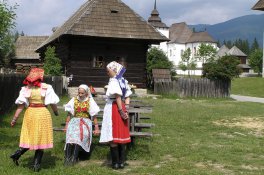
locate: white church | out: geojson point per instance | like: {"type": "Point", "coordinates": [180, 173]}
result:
{"type": "Point", "coordinates": [181, 38]}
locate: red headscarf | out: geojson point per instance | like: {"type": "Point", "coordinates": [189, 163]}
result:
{"type": "Point", "coordinates": [35, 77]}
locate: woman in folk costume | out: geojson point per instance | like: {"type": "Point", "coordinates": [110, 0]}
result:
{"type": "Point", "coordinates": [83, 109]}
{"type": "Point", "coordinates": [36, 133]}
{"type": "Point", "coordinates": [115, 125]}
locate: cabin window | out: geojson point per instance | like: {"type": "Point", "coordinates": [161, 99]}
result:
{"type": "Point", "coordinates": [170, 52]}
{"type": "Point", "coordinates": [99, 62]}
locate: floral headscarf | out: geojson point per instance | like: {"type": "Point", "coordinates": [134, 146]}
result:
{"type": "Point", "coordinates": [35, 77]}
{"type": "Point", "coordinates": [119, 70]}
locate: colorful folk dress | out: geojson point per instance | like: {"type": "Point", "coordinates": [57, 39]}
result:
{"type": "Point", "coordinates": [114, 128]}
{"type": "Point", "coordinates": [36, 132]}
{"type": "Point", "coordinates": [79, 129]}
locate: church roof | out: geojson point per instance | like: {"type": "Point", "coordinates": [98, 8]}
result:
{"type": "Point", "coordinates": [236, 52]}
{"type": "Point", "coordinates": [109, 19]}
{"type": "Point", "coordinates": [259, 5]}
{"type": "Point", "coordinates": [181, 33]}
{"type": "Point", "coordinates": [201, 37]}
{"type": "Point", "coordinates": [25, 46]}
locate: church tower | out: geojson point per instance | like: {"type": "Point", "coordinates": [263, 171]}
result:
{"type": "Point", "coordinates": [155, 20]}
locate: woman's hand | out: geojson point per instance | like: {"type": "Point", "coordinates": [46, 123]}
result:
{"type": "Point", "coordinates": [13, 122]}
{"type": "Point", "coordinates": [123, 114]}
{"type": "Point", "coordinates": [96, 130]}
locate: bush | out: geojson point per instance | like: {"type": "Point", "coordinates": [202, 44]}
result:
{"type": "Point", "coordinates": [157, 59]}
{"type": "Point", "coordinates": [224, 68]}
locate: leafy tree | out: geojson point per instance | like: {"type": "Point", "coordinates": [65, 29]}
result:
{"type": "Point", "coordinates": [52, 64]}
{"type": "Point", "coordinates": [7, 17]}
{"type": "Point", "coordinates": [256, 60]}
{"type": "Point", "coordinates": [224, 68]}
{"type": "Point", "coordinates": [206, 52]}
{"type": "Point", "coordinates": [187, 62]}
{"type": "Point", "coordinates": [157, 59]}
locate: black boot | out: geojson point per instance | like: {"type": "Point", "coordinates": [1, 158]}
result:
{"type": "Point", "coordinates": [75, 154]}
{"type": "Point", "coordinates": [37, 160]}
{"type": "Point", "coordinates": [122, 155]}
{"type": "Point", "coordinates": [115, 157]}
{"type": "Point", "coordinates": [68, 154]}
{"type": "Point", "coordinates": [18, 154]}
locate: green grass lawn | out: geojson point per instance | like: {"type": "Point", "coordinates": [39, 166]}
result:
{"type": "Point", "coordinates": [191, 136]}
{"type": "Point", "coordinates": [253, 86]}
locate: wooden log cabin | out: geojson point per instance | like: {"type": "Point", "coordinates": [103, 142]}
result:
{"type": "Point", "coordinates": [99, 32]}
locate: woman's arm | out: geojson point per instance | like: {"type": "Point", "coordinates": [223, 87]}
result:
{"type": "Point", "coordinates": [96, 127]}
{"type": "Point", "coordinates": [67, 121]}
{"type": "Point", "coordinates": [119, 106]}
{"type": "Point", "coordinates": [20, 108]}
{"type": "Point", "coordinates": [54, 109]}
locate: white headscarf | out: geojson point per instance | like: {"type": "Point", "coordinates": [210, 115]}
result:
{"type": "Point", "coordinates": [86, 88]}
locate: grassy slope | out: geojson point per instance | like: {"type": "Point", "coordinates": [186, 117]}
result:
{"type": "Point", "coordinates": [248, 86]}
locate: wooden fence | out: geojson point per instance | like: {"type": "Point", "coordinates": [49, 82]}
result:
{"type": "Point", "coordinates": [10, 85]}
{"type": "Point", "coordinates": [187, 87]}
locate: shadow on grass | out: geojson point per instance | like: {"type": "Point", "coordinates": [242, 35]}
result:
{"type": "Point", "coordinates": [49, 161]}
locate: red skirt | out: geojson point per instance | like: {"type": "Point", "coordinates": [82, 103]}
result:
{"type": "Point", "coordinates": [120, 127]}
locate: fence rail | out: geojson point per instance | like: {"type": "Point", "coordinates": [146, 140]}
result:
{"type": "Point", "coordinates": [10, 85]}
{"type": "Point", "coordinates": [187, 87]}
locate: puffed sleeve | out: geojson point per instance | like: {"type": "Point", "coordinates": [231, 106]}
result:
{"type": "Point", "coordinates": [21, 98]}
{"type": "Point", "coordinates": [51, 97]}
{"type": "Point", "coordinates": [94, 108]}
{"type": "Point", "coordinates": [113, 88]}
{"type": "Point", "coordinates": [69, 107]}
{"type": "Point", "coordinates": [128, 92]}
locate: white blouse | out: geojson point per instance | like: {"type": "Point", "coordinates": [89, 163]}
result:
{"type": "Point", "coordinates": [50, 96]}
{"type": "Point", "coordinates": [93, 109]}
{"type": "Point", "coordinates": [114, 88]}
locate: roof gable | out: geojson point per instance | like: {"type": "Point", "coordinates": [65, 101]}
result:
{"type": "Point", "coordinates": [259, 5]}
{"type": "Point", "coordinates": [236, 52]}
{"type": "Point", "coordinates": [107, 18]}
{"type": "Point", "coordinates": [222, 51]}
{"type": "Point", "coordinates": [25, 46]}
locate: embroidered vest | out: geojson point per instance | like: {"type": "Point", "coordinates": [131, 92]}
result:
{"type": "Point", "coordinates": [81, 108]}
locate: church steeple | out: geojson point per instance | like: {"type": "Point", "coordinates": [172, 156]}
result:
{"type": "Point", "coordinates": [154, 19]}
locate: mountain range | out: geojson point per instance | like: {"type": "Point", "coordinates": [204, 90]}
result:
{"type": "Point", "coordinates": [246, 27]}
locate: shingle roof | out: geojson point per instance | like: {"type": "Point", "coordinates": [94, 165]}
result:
{"type": "Point", "coordinates": [25, 46]}
{"type": "Point", "coordinates": [201, 37]}
{"type": "Point", "coordinates": [181, 33]}
{"type": "Point", "coordinates": [236, 52]}
{"type": "Point", "coordinates": [259, 5]}
{"type": "Point", "coordinates": [222, 51]}
{"type": "Point", "coordinates": [107, 18]}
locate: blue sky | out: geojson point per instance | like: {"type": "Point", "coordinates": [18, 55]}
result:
{"type": "Point", "coordinates": [37, 17]}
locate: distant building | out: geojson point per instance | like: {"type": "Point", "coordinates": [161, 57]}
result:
{"type": "Point", "coordinates": [234, 51]}
{"type": "Point", "coordinates": [25, 55]}
{"type": "Point", "coordinates": [181, 38]}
